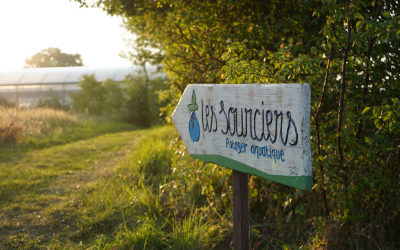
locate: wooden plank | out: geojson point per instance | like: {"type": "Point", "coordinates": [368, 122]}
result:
{"type": "Point", "coordinates": [259, 129]}
{"type": "Point", "coordinates": [241, 226]}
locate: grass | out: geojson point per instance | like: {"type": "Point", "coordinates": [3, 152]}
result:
{"type": "Point", "coordinates": [78, 182]}
{"type": "Point", "coordinates": [87, 183]}
{"type": "Point", "coordinates": [92, 184]}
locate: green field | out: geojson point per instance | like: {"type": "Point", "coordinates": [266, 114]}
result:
{"type": "Point", "coordinates": [104, 185]}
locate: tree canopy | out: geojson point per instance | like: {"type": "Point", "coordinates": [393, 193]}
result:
{"type": "Point", "coordinates": [349, 53]}
{"type": "Point", "coordinates": [53, 57]}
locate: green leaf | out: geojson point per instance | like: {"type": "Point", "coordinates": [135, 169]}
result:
{"type": "Point", "coordinates": [386, 14]}
{"type": "Point", "coordinates": [398, 112]}
{"type": "Point", "coordinates": [298, 193]}
{"type": "Point", "coordinates": [254, 232]}
{"type": "Point", "coordinates": [358, 24]}
{"type": "Point", "coordinates": [359, 16]}
{"type": "Point", "coordinates": [391, 126]}
{"type": "Point", "coordinates": [386, 118]}
{"type": "Point", "coordinates": [253, 193]}
{"type": "Point", "coordinates": [300, 209]}
{"type": "Point", "coordinates": [377, 123]}
{"type": "Point", "coordinates": [314, 50]}
{"type": "Point", "coordinates": [366, 109]}
{"type": "Point", "coordinates": [289, 217]}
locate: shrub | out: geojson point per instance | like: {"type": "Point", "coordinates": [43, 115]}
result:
{"type": "Point", "coordinates": [137, 102]}
{"type": "Point", "coordinates": [134, 100]}
{"type": "Point", "coordinates": [114, 103]}
{"type": "Point", "coordinates": [91, 97]}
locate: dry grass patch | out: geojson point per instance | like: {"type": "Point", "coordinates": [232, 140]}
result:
{"type": "Point", "coordinates": [37, 121]}
{"type": "Point", "coordinates": [9, 132]}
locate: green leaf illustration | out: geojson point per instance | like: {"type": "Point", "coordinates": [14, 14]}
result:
{"type": "Point", "coordinates": [193, 107]}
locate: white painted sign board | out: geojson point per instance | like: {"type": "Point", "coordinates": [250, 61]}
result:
{"type": "Point", "coordinates": [259, 129]}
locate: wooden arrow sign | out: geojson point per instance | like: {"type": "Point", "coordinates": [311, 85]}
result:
{"type": "Point", "coordinates": [259, 129]}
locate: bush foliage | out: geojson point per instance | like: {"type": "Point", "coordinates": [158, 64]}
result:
{"type": "Point", "coordinates": [134, 100]}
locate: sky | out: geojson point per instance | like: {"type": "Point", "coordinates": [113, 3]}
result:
{"type": "Point", "coordinates": [29, 26]}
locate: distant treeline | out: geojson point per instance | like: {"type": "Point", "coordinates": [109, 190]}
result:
{"type": "Point", "coordinates": [134, 100]}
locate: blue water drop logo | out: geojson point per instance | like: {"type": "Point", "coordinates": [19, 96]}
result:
{"type": "Point", "coordinates": [194, 126]}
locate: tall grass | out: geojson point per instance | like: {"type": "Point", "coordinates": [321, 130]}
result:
{"type": "Point", "coordinates": [38, 121]}
{"type": "Point", "coordinates": [192, 232]}
{"type": "Point", "coordinates": [46, 127]}
{"type": "Point", "coordinates": [168, 208]}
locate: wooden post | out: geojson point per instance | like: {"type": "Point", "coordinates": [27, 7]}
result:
{"type": "Point", "coordinates": [241, 229]}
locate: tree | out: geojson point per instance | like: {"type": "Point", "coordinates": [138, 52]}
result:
{"type": "Point", "coordinates": [53, 57]}
{"type": "Point", "coordinates": [91, 97]}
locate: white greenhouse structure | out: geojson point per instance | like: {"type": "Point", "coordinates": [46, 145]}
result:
{"type": "Point", "coordinates": [28, 86]}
